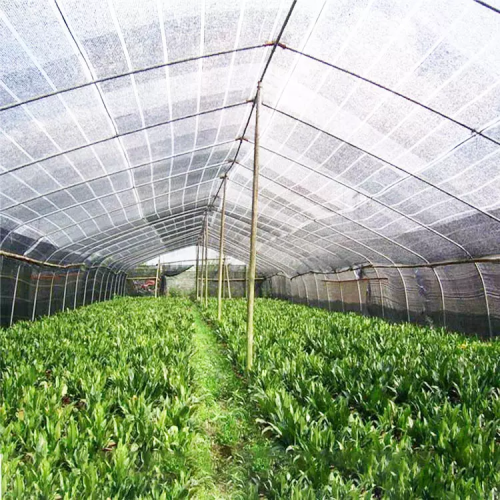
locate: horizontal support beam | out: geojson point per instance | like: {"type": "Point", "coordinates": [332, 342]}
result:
{"type": "Point", "coordinates": [333, 282]}
{"type": "Point", "coordinates": [36, 262]}
{"type": "Point", "coordinates": [29, 260]}
{"type": "Point", "coordinates": [236, 279]}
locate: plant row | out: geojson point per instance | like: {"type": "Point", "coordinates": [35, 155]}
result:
{"type": "Point", "coordinates": [369, 409]}
{"type": "Point", "coordinates": [96, 403]}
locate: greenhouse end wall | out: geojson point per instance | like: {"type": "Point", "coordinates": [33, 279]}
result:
{"type": "Point", "coordinates": [462, 297]}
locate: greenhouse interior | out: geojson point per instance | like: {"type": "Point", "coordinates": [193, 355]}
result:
{"type": "Point", "coordinates": [250, 249]}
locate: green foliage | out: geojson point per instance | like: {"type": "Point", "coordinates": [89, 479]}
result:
{"type": "Point", "coordinates": [370, 409]}
{"type": "Point", "coordinates": [97, 402]}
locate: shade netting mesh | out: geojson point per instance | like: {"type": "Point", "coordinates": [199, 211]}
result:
{"type": "Point", "coordinates": [379, 148]}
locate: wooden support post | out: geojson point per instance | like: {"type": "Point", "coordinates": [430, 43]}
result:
{"type": "Point", "coordinates": [157, 278]}
{"type": "Point", "coordinates": [196, 282]}
{"type": "Point", "coordinates": [64, 293]}
{"type": "Point", "coordinates": [228, 281]}
{"type": "Point", "coordinates": [113, 277]}
{"type": "Point", "coordinates": [93, 288]}
{"type": "Point", "coordinates": [221, 249]}
{"type": "Point", "coordinates": [106, 285]}
{"type": "Point", "coordinates": [100, 288]}
{"type": "Point", "coordinates": [14, 296]}
{"type": "Point", "coordinates": [206, 261]}
{"type": "Point", "coordinates": [253, 234]}
{"type": "Point", "coordinates": [202, 267]}
{"type": "Point", "coordinates": [36, 295]}
{"type": "Point", "coordinates": [51, 289]}
{"type": "Point", "coordinates": [85, 287]}
{"type": "Point", "coordinates": [76, 289]}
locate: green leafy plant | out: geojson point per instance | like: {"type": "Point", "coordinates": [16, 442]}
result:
{"type": "Point", "coordinates": [97, 402]}
{"type": "Point", "coordinates": [367, 408]}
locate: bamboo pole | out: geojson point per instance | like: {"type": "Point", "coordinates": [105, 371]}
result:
{"type": "Point", "coordinates": [76, 289]}
{"type": "Point", "coordinates": [196, 282]}
{"type": "Point", "coordinates": [64, 294]}
{"type": "Point", "coordinates": [157, 278]}
{"type": "Point", "coordinates": [14, 296]}
{"type": "Point", "coordinates": [206, 261]}
{"type": "Point", "coordinates": [228, 281]}
{"type": "Point", "coordinates": [221, 249]}
{"type": "Point", "coordinates": [100, 288]}
{"type": "Point", "coordinates": [51, 289]}
{"type": "Point", "coordinates": [202, 269]}
{"type": "Point", "coordinates": [253, 234]}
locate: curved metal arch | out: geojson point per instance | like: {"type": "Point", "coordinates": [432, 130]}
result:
{"type": "Point", "coordinates": [121, 209]}
{"type": "Point", "coordinates": [112, 251]}
{"type": "Point", "coordinates": [133, 72]}
{"type": "Point", "coordinates": [309, 242]}
{"type": "Point", "coordinates": [123, 134]}
{"type": "Point", "coordinates": [124, 171]}
{"type": "Point", "coordinates": [130, 232]}
{"type": "Point", "coordinates": [348, 249]}
{"type": "Point", "coordinates": [91, 248]}
{"type": "Point", "coordinates": [390, 240]}
{"type": "Point", "coordinates": [136, 247]}
{"type": "Point", "coordinates": [290, 249]}
{"type": "Point", "coordinates": [375, 200]}
{"type": "Point", "coordinates": [393, 165]}
{"type": "Point", "coordinates": [114, 193]}
{"type": "Point", "coordinates": [312, 219]}
{"type": "Point", "coordinates": [394, 92]}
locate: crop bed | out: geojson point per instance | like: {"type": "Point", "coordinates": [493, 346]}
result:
{"type": "Point", "coordinates": [367, 408]}
{"type": "Point", "coordinates": [96, 403]}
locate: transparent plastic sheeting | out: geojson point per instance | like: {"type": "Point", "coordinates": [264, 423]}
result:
{"type": "Point", "coordinates": [380, 134]}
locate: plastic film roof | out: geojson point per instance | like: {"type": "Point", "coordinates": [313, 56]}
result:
{"type": "Point", "coordinates": [380, 129]}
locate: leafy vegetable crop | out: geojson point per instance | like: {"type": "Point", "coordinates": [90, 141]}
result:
{"type": "Point", "coordinates": [371, 409]}
{"type": "Point", "coordinates": [96, 403]}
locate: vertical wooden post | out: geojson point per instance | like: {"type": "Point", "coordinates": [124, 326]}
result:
{"type": "Point", "coordinates": [196, 282]}
{"type": "Point", "coordinates": [253, 234]}
{"type": "Point", "coordinates": [36, 295]}
{"type": "Point", "coordinates": [51, 289]}
{"type": "Point", "coordinates": [202, 267]}
{"type": "Point", "coordinates": [76, 289]}
{"type": "Point", "coordinates": [87, 274]}
{"type": "Point", "coordinates": [206, 261]}
{"type": "Point", "coordinates": [64, 293]}
{"type": "Point", "coordinates": [93, 288]}
{"type": "Point", "coordinates": [157, 277]}
{"type": "Point", "coordinates": [221, 249]}
{"type": "Point", "coordinates": [228, 280]}
{"type": "Point", "coordinates": [14, 296]}
{"type": "Point", "coordinates": [106, 287]}
{"type": "Point", "coordinates": [112, 286]}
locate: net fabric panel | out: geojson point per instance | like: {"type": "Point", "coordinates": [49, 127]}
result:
{"type": "Point", "coordinates": [465, 298]}
{"type": "Point", "coordinates": [425, 296]}
{"type": "Point", "coordinates": [29, 291]}
{"type": "Point", "coordinates": [490, 275]}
